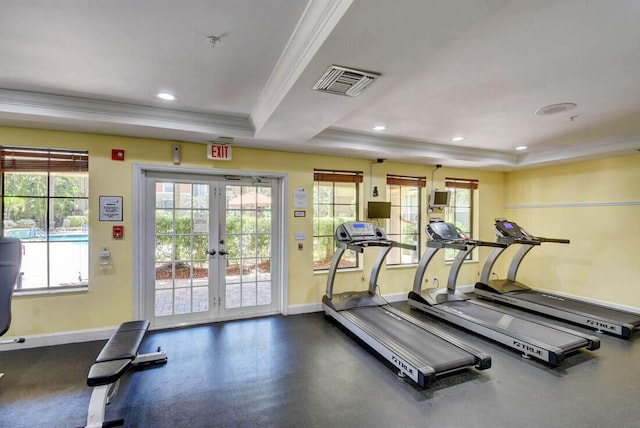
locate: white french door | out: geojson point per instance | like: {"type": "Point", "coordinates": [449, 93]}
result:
{"type": "Point", "coordinates": [208, 248]}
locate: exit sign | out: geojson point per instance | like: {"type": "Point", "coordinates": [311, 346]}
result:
{"type": "Point", "coordinates": [218, 152]}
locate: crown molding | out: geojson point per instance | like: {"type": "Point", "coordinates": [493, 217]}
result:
{"type": "Point", "coordinates": [315, 25]}
{"type": "Point", "coordinates": [338, 139]}
{"type": "Point", "coordinates": [585, 150]}
{"type": "Point", "coordinates": [47, 107]}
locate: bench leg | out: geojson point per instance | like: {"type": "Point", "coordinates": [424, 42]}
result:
{"type": "Point", "coordinates": [100, 397]}
{"type": "Point", "coordinates": [12, 341]}
{"type": "Point", "coordinates": [159, 357]}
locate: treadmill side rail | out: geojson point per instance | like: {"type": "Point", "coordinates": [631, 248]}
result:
{"type": "Point", "coordinates": [557, 307]}
{"type": "Point", "coordinates": [418, 350]}
{"type": "Point", "coordinates": [422, 375]}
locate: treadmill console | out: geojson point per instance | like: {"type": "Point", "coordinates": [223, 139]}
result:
{"type": "Point", "coordinates": [441, 231]}
{"type": "Point", "coordinates": [509, 229]}
{"type": "Point", "coordinates": [359, 231]}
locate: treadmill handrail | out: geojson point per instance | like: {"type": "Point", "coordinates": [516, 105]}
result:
{"type": "Point", "coordinates": [526, 239]}
{"type": "Point", "coordinates": [552, 240]}
{"type": "Point", "coordinates": [465, 246]}
{"type": "Point", "coordinates": [508, 240]}
{"type": "Point", "coordinates": [512, 273]}
{"type": "Point", "coordinates": [462, 255]}
{"type": "Point", "coordinates": [348, 246]}
{"type": "Point", "coordinates": [488, 244]}
{"type": "Point", "coordinates": [359, 246]}
{"type": "Point", "coordinates": [446, 244]}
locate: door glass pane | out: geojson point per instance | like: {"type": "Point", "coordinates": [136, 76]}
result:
{"type": "Point", "coordinates": [241, 264]}
{"type": "Point", "coordinates": [182, 300]}
{"type": "Point", "coordinates": [182, 244]}
{"type": "Point", "coordinates": [200, 299]}
{"type": "Point", "coordinates": [249, 294]}
{"type": "Point", "coordinates": [248, 240]}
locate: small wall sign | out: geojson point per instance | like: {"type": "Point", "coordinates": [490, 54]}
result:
{"type": "Point", "coordinates": [110, 208]}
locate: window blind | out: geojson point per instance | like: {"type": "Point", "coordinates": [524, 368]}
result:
{"type": "Point", "coordinates": [337, 176]}
{"type": "Point", "coordinates": [461, 183]}
{"type": "Point", "coordinates": [14, 159]}
{"type": "Point", "coordinates": [406, 180]}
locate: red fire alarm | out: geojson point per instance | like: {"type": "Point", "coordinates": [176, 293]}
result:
{"type": "Point", "coordinates": [118, 232]}
{"type": "Point", "coordinates": [117, 154]}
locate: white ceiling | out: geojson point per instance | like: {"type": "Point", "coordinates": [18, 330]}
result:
{"type": "Point", "coordinates": [479, 69]}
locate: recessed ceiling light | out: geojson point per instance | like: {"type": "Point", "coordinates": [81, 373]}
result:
{"type": "Point", "coordinates": [521, 148]}
{"type": "Point", "coordinates": [454, 139]}
{"type": "Point", "coordinates": [379, 127]}
{"type": "Point", "coordinates": [166, 96]}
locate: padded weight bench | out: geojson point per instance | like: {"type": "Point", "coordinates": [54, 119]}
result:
{"type": "Point", "coordinates": [118, 355]}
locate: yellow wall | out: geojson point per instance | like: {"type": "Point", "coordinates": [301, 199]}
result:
{"type": "Point", "coordinates": [602, 261]}
{"type": "Point", "coordinates": [109, 300]}
{"type": "Point", "coordinates": [597, 264]}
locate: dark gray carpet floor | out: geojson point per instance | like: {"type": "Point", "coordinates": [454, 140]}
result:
{"type": "Point", "coordinates": [303, 371]}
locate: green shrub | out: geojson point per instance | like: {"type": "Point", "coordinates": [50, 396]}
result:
{"type": "Point", "coordinates": [196, 247]}
{"type": "Point", "coordinates": [77, 220]}
{"type": "Point", "coordinates": [323, 249]}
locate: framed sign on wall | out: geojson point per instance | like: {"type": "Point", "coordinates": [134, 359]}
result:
{"type": "Point", "coordinates": [110, 208]}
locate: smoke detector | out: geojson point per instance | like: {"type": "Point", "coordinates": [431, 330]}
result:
{"type": "Point", "coordinates": [555, 108]}
{"type": "Point", "coordinates": [344, 81]}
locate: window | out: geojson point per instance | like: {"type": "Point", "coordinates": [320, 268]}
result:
{"type": "Point", "coordinates": [460, 210]}
{"type": "Point", "coordinates": [45, 203]}
{"type": "Point", "coordinates": [404, 226]}
{"type": "Point", "coordinates": [335, 201]}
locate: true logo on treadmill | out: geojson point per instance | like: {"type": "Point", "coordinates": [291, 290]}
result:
{"type": "Point", "coordinates": [527, 348]}
{"type": "Point", "coordinates": [601, 325]}
{"type": "Point", "coordinates": [402, 365]}
{"type": "Point", "coordinates": [507, 300]}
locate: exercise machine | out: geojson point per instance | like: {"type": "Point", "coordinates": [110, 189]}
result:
{"type": "Point", "coordinates": [119, 355]}
{"type": "Point", "coordinates": [418, 350]}
{"type": "Point", "coordinates": [512, 292]}
{"type": "Point", "coordinates": [10, 262]}
{"type": "Point", "coordinates": [542, 340]}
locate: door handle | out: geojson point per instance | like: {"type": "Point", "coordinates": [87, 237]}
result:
{"type": "Point", "coordinates": [223, 252]}
{"type": "Point", "coordinates": [212, 252]}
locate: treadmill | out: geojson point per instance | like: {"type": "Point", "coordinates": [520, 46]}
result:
{"type": "Point", "coordinates": [599, 317]}
{"type": "Point", "coordinates": [538, 339]}
{"type": "Point", "coordinates": [419, 351]}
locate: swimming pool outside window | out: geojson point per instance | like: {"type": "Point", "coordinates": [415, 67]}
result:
{"type": "Point", "coordinates": [45, 203]}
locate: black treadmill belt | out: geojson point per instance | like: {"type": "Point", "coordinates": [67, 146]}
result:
{"type": "Point", "coordinates": [514, 325]}
{"type": "Point", "coordinates": [431, 349]}
{"type": "Point", "coordinates": [576, 306]}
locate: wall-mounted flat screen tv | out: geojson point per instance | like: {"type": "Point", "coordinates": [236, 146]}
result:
{"type": "Point", "coordinates": [379, 209]}
{"type": "Point", "coordinates": [439, 199]}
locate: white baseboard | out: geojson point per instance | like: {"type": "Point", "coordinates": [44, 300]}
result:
{"type": "Point", "coordinates": [304, 309]}
{"type": "Point", "coordinates": [624, 308]}
{"type": "Point", "coordinates": [471, 288]}
{"type": "Point", "coordinates": [62, 338]}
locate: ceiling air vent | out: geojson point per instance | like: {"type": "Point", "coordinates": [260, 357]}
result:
{"type": "Point", "coordinates": [344, 81]}
{"type": "Point", "coordinates": [554, 109]}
